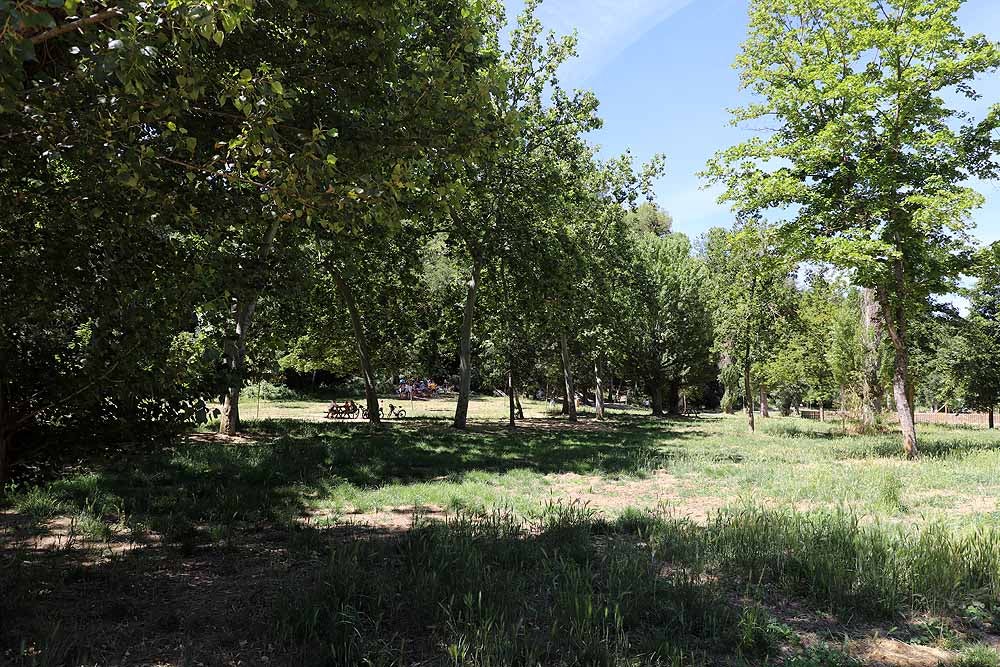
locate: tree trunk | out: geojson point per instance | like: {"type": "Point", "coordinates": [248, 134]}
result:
{"type": "Point", "coordinates": [235, 349]}
{"type": "Point", "coordinates": [517, 402]}
{"type": "Point", "coordinates": [871, 358]}
{"type": "Point", "coordinates": [822, 411]}
{"type": "Point", "coordinates": [903, 408]}
{"type": "Point", "coordinates": [598, 392]}
{"type": "Point", "coordinates": [568, 376]}
{"type": "Point", "coordinates": [911, 393]}
{"type": "Point", "coordinates": [364, 356]}
{"type": "Point", "coordinates": [748, 396]}
{"type": "Point", "coordinates": [6, 453]}
{"type": "Point", "coordinates": [673, 397]}
{"type": "Point", "coordinates": [656, 399]}
{"type": "Point", "coordinates": [510, 399]}
{"type": "Point", "coordinates": [465, 349]}
{"type": "Point", "coordinates": [990, 417]}
{"type": "Point", "coordinates": [901, 387]}
{"type": "Point", "coordinates": [763, 402]}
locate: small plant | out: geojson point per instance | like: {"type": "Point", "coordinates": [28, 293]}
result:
{"type": "Point", "coordinates": [936, 632]}
{"type": "Point", "coordinates": [37, 503]}
{"type": "Point", "coordinates": [890, 492]}
{"type": "Point", "coordinates": [92, 527]}
{"type": "Point", "coordinates": [821, 655]}
{"type": "Point", "coordinates": [636, 522]}
{"type": "Point", "coordinates": [978, 655]}
{"type": "Point", "coordinates": [759, 635]}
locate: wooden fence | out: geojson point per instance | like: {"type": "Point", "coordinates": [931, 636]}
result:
{"type": "Point", "coordinates": [964, 418]}
{"type": "Point", "coordinates": [981, 419]}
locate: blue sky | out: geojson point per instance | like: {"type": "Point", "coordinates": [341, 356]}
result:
{"type": "Point", "coordinates": [663, 72]}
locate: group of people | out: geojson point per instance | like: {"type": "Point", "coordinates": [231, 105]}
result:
{"type": "Point", "coordinates": [420, 388]}
{"type": "Point", "coordinates": [347, 408]}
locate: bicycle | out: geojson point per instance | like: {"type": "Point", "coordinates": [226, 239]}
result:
{"type": "Point", "coordinates": [394, 412]}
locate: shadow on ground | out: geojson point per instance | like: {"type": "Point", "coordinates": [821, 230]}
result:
{"type": "Point", "coordinates": [268, 476]}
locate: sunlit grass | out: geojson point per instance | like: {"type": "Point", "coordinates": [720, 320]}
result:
{"type": "Point", "coordinates": [633, 541]}
{"type": "Point", "coordinates": [297, 467]}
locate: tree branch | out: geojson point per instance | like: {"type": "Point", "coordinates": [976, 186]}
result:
{"type": "Point", "coordinates": [99, 17]}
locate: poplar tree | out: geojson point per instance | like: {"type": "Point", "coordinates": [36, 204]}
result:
{"type": "Point", "coordinates": [865, 153]}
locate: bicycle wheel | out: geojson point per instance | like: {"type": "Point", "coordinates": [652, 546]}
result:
{"type": "Point", "coordinates": [400, 414]}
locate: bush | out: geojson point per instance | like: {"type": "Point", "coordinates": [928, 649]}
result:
{"type": "Point", "coordinates": [271, 392]}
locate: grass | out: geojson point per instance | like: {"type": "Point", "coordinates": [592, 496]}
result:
{"type": "Point", "coordinates": [794, 461]}
{"type": "Point", "coordinates": [634, 542]}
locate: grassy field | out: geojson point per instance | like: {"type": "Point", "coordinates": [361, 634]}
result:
{"type": "Point", "coordinates": [632, 541]}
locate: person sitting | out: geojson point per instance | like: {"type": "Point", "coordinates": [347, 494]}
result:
{"type": "Point", "coordinates": [332, 409]}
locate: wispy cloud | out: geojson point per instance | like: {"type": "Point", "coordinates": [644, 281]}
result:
{"type": "Point", "coordinates": [605, 28]}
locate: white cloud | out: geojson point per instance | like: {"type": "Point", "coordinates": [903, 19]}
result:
{"type": "Point", "coordinates": [605, 28]}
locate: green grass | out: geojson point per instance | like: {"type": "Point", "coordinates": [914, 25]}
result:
{"type": "Point", "coordinates": [633, 542]}
{"type": "Point", "coordinates": [979, 656]}
{"type": "Point", "coordinates": [695, 465]}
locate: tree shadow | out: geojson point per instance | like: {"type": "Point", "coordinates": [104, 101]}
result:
{"type": "Point", "coordinates": [202, 483]}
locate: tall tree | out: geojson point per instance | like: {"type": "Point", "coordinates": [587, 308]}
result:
{"type": "Point", "coordinates": [865, 145]}
{"type": "Point", "coordinates": [981, 365]}
{"type": "Point", "coordinates": [540, 122]}
{"type": "Point", "coordinates": [671, 340]}
{"type": "Point", "coordinates": [750, 273]}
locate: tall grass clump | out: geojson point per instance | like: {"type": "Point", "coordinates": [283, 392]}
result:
{"type": "Point", "coordinates": [489, 589]}
{"type": "Point", "coordinates": [847, 563]}
{"type": "Point", "coordinates": [890, 493]}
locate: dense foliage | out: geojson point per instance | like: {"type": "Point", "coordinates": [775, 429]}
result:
{"type": "Point", "coordinates": [199, 194]}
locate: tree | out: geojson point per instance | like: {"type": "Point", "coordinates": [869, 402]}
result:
{"type": "Point", "coordinates": [521, 179]}
{"type": "Point", "coordinates": [406, 98]}
{"type": "Point", "coordinates": [650, 218]}
{"type": "Point", "coordinates": [98, 296]}
{"type": "Point", "coordinates": [202, 138]}
{"type": "Point", "coordinates": [981, 364]}
{"type": "Point", "coordinates": [865, 146]}
{"type": "Point", "coordinates": [750, 273]}
{"type": "Point", "coordinates": [672, 338]}
{"type": "Point", "coordinates": [802, 367]}
{"type": "Point", "coordinates": [106, 270]}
